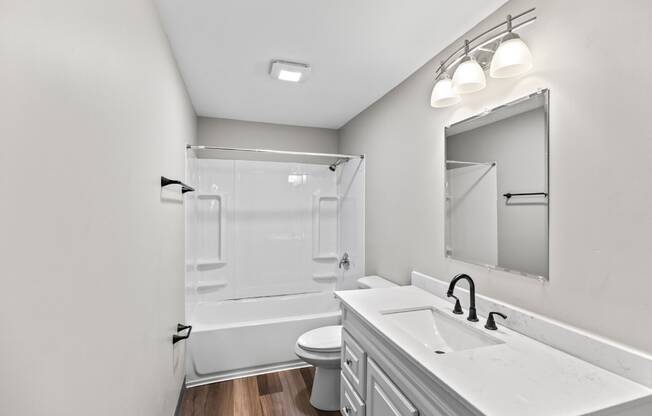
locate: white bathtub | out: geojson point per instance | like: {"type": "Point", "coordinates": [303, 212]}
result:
{"type": "Point", "coordinates": [244, 337]}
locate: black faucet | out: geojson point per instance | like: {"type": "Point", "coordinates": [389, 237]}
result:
{"type": "Point", "coordinates": [473, 317]}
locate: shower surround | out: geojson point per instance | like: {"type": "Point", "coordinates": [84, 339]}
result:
{"type": "Point", "coordinates": [264, 241]}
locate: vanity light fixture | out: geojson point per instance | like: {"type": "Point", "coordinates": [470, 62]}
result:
{"type": "Point", "coordinates": [469, 75]}
{"type": "Point", "coordinates": [289, 71]}
{"type": "Point", "coordinates": [443, 94]}
{"type": "Point", "coordinates": [512, 58]}
{"type": "Point", "coordinates": [498, 49]}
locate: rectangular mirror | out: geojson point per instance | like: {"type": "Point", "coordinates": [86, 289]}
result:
{"type": "Point", "coordinates": [497, 187]}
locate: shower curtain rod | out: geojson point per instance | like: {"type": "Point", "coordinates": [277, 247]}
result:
{"type": "Point", "coordinates": [278, 152]}
{"type": "Point", "coordinates": [459, 162]}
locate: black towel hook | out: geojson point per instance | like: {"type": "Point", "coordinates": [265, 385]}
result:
{"type": "Point", "coordinates": [184, 188]}
{"type": "Point", "coordinates": [180, 327]}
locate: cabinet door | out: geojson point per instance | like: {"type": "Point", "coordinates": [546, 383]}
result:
{"type": "Point", "coordinates": [351, 403]}
{"type": "Point", "coordinates": [383, 397]}
{"type": "Point", "coordinates": [353, 362]}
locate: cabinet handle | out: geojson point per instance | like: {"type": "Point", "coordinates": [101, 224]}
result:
{"type": "Point", "coordinates": [346, 409]}
{"type": "Point", "coordinates": [348, 362]}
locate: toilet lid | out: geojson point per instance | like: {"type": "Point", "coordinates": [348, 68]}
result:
{"type": "Point", "coordinates": [325, 339]}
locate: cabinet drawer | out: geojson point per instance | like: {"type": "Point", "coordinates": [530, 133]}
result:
{"type": "Point", "coordinates": [351, 403]}
{"type": "Point", "coordinates": [383, 397]}
{"type": "Point", "coordinates": [354, 361]}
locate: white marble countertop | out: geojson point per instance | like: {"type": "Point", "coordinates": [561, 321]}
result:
{"type": "Point", "coordinates": [518, 377]}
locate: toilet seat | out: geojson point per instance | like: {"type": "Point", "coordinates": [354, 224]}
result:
{"type": "Point", "coordinates": [324, 339]}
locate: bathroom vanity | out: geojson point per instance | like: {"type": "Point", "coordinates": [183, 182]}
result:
{"type": "Point", "coordinates": [405, 353]}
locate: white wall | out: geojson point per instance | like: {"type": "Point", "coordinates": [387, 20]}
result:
{"type": "Point", "coordinates": [236, 133]}
{"type": "Point", "coordinates": [589, 54]}
{"type": "Point", "coordinates": [93, 112]}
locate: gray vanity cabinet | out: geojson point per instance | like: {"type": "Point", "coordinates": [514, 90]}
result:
{"type": "Point", "coordinates": [378, 380]}
{"type": "Point", "coordinates": [383, 397]}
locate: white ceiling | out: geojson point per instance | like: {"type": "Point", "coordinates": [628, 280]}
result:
{"type": "Point", "coordinates": [358, 51]}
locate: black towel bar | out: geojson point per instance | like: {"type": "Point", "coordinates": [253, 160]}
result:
{"type": "Point", "coordinates": [184, 188]}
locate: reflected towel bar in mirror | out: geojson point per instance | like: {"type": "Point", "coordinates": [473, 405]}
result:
{"type": "Point", "coordinates": [509, 195]}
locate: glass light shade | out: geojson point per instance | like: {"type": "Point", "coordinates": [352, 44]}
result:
{"type": "Point", "coordinates": [512, 58]}
{"type": "Point", "coordinates": [443, 94]}
{"type": "Point", "coordinates": [468, 77]}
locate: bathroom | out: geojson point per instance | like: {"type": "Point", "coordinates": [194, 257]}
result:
{"type": "Point", "coordinates": [323, 208]}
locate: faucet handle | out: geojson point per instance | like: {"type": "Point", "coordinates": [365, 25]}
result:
{"type": "Point", "coordinates": [457, 310]}
{"type": "Point", "coordinates": [491, 323]}
{"type": "Point", "coordinates": [345, 262]}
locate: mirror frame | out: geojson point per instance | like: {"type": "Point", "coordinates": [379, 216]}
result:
{"type": "Point", "coordinates": [546, 108]}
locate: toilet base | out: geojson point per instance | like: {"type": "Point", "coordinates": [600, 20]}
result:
{"type": "Point", "coordinates": [326, 389]}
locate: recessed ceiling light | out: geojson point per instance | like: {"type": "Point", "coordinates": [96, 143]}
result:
{"type": "Point", "coordinates": [289, 71]}
{"type": "Point", "coordinates": [292, 76]}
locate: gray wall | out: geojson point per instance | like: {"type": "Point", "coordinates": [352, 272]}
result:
{"type": "Point", "coordinates": [600, 222]}
{"type": "Point", "coordinates": [518, 146]}
{"type": "Point", "coordinates": [236, 133]}
{"type": "Point", "coordinates": [93, 112]}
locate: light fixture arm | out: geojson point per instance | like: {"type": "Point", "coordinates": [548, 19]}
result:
{"type": "Point", "coordinates": [484, 38]}
{"type": "Point", "coordinates": [441, 74]}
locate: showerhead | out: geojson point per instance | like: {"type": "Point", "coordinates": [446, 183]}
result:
{"type": "Point", "coordinates": [334, 166]}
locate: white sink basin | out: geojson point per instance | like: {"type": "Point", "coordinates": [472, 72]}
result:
{"type": "Point", "coordinates": [438, 332]}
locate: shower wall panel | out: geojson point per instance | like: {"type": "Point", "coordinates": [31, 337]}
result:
{"type": "Point", "coordinates": [274, 228]}
{"type": "Point", "coordinates": [351, 190]}
{"type": "Point", "coordinates": [261, 229]}
{"type": "Point", "coordinates": [209, 230]}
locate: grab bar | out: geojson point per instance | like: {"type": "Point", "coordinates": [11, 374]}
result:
{"type": "Point", "coordinates": [180, 327]}
{"type": "Point", "coordinates": [184, 188]}
{"type": "Point", "coordinates": [509, 195]}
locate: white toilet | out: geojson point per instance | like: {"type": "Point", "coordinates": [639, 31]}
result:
{"type": "Point", "coordinates": [322, 347]}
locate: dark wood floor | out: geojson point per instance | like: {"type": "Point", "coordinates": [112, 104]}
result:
{"type": "Point", "coordinates": [286, 393]}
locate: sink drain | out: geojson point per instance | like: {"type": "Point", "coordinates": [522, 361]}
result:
{"type": "Point", "coordinates": [440, 352]}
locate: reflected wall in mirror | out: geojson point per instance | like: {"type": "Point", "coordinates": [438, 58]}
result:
{"type": "Point", "coordinates": [497, 187]}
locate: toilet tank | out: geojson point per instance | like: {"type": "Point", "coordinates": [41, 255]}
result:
{"type": "Point", "coordinates": [374, 282]}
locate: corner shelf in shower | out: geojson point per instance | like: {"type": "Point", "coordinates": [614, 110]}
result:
{"type": "Point", "coordinates": [319, 252]}
{"type": "Point", "coordinates": [206, 195]}
{"type": "Point", "coordinates": [210, 262]}
{"type": "Point", "coordinates": [209, 284]}
{"type": "Point", "coordinates": [328, 256]}
{"type": "Point", "coordinates": [219, 258]}
{"type": "Point", "coordinates": [324, 277]}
